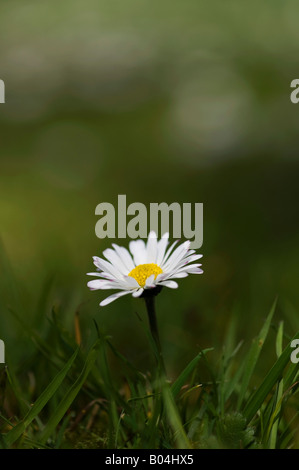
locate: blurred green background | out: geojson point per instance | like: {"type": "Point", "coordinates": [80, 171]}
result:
{"type": "Point", "coordinates": [185, 101]}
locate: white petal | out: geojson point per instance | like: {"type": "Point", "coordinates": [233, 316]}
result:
{"type": "Point", "coordinates": [176, 275]}
{"type": "Point", "coordinates": [115, 260]}
{"type": "Point", "coordinates": [125, 256]}
{"type": "Point", "coordinates": [138, 251]}
{"type": "Point", "coordinates": [167, 254]}
{"type": "Point", "coordinates": [194, 271]}
{"type": "Point", "coordinates": [103, 284]}
{"type": "Point", "coordinates": [102, 274]}
{"type": "Point", "coordinates": [95, 284]}
{"type": "Point", "coordinates": [192, 257]}
{"type": "Point", "coordinates": [131, 282]}
{"type": "Point", "coordinates": [152, 234]}
{"type": "Point", "coordinates": [151, 248]}
{"type": "Point", "coordinates": [176, 256]}
{"type": "Point", "coordinates": [107, 267]}
{"type": "Point", "coordinates": [150, 281]}
{"type": "Point", "coordinates": [192, 268]}
{"type": "Point", "coordinates": [162, 244]}
{"type": "Point", "coordinates": [183, 263]}
{"type": "Point", "coordinates": [160, 277]}
{"type": "Point", "coordinates": [171, 284]}
{"type": "Point", "coordinates": [113, 297]}
{"type": "Point", "coordinates": [189, 258]}
{"type": "Point", "coordinates": [137, 293]}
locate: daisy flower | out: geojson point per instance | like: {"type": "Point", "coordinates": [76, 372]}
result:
{"type": "Point", "coordinates": [144, 269]}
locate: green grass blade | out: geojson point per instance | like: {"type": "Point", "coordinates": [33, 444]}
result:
{"type": "Point", "coordinates": [39, 342]}
{"type": "Point", "coordinates": [70, 395]}
{"type": "Point", "coordinates": [182, 441]}
{"type": "Point", "coordinates": [181, 380]}
{"type": "Point", "coordinates": [292, 375]}
{"type": "Point", "coordinates": [233, 381]}
{"type": "Point", "coordinates": [288, 432]}
{"type": "Point", "coordinates": [273, 376]}
{"type": "Point", "coordinates": [40, 403]}
{"type": "Point", "coordinates": [279, 339]}
{"type": "Point", "coordinates": [253, 356]}
{"type": "Point", "coordinates": [16, 389]}
{"type": "Point", "coordinates": [274, 421]}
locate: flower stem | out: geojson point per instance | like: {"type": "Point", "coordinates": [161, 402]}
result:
{"type": "Point", "coordinates": [151, 311]}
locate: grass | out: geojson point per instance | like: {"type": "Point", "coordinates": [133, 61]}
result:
{"type": "Point", "coordinates": [213, 403]}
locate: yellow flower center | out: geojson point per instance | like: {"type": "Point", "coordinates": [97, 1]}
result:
{"type": "Point", "coordinates": [143, 271]}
